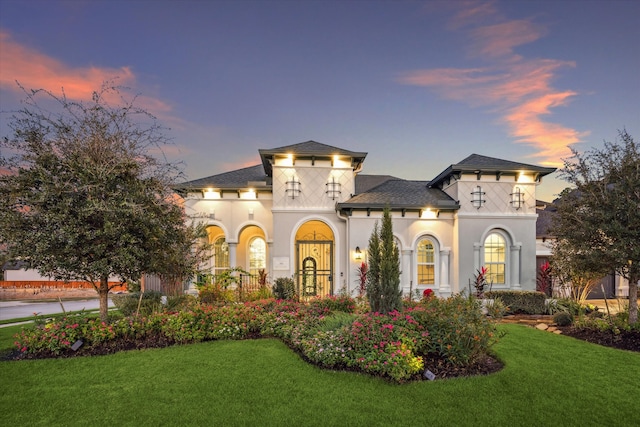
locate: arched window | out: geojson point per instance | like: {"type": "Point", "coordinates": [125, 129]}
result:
{"type": "Point", "coordinates": [426, 262]}
{"type": "Point", "coordinates": [257, 255]}
{"type": "Point", "coordinates": [220, 255]}
{"type": "Point", "coordinates": [495, 258]}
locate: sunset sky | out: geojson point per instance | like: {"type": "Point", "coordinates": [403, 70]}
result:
{"type": "Point", "coordinates": [418, 85]}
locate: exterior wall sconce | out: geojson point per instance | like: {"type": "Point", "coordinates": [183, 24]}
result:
{"type": "Point", "coordinates": [477, 197]}
{"type": "Point", "coordinates": [293, 187]}
{"type": "Point", "coordinates": [333, 188]}
{"type": "Point", "coordinates": [358, 254]}
{"type": "Point", "coordinates": [249, 194]}
{"type": "Point", "coordinates": [210, 194]}
{"type": "Point", "coordinates": [517, 198]}
{"type": "Point", "coordinates": [429, 213]}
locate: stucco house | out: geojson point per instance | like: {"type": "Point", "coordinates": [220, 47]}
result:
{"type": "Point", "coordinates": [307, 212]}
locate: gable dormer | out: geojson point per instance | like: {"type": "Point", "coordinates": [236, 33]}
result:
{"type": "Point", "coordinates": [487, 184]}
{"type": "Point", "coordinates": [311, 175]}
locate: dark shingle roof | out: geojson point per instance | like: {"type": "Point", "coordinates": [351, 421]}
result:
{"type": "Point", "coordinates": [544, 222]}
{"type": "Point", "coordinates": [367, 182]}
{"type": "Point", "coordinates": [309, 149]}
{"type": "Point", "coordinates": [229, 180]}
{"type": "Point", "coordinates": [476, 163]}
{"type": "Point", "coordinates": [401, 194]}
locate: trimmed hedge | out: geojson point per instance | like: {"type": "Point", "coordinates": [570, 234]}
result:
{"type": "Point", "coordinates": [524, 302]}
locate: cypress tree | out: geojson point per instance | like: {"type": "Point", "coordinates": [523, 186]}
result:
{"type": "Point", "coordinates": [383, 279]}
{"type": "Point", "coordinates": [373, 275]}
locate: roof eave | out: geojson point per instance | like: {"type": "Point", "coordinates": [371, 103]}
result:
{"type": "Point", "coordinates": [460, 169]}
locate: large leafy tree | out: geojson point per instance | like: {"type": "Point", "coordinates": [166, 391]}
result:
{"type": "Point", "coordinates": [83, 197]}
{"type": "Point", "coordinates": [598, 222]}
{"type": "Point", "coordinates": [383, 277]}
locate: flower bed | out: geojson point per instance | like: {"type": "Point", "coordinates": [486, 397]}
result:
{"type": "Point", "coordinates": [326, 332]}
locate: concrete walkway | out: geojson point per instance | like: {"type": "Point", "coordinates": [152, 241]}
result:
{"type": "Point", "coordinates": [20, 309]}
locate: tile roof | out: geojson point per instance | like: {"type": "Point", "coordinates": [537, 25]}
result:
{"type": "Point", "coordinates": [367, 182]}
{"type": "Point", "coordinates": [309, 149]}
{"type": "Point", "coordinates": [545, 221]}
{"type": "Point", "coordinates": [400, 193]}
{"type": "Point", "coordinates": [312, 148]}
{"type": "Point", "coordinates": [239, 178]}
{"type": "Point", "coordinates": [478, 163]}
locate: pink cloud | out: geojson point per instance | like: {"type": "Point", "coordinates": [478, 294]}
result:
{"type": "Point", "coordinates": [35, 70]}
{"type": "Point", "coordinates": [519, 89]}
{"type": "Point", "coordinates": [243, 164]}
{"type": "Point", "coordinates": [500, 39]}
{"type": "Point", "coordinates": [551, 139]}
{"type": "Point", "coordinates": [472, 11]}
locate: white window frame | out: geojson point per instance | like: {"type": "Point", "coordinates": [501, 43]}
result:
{"type": "Point", "coordinates": [254, 270]}
{"type": "Point", "coordinates": [505, 263]}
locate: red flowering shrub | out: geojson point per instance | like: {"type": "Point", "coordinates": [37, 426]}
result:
{"type": "Point", "coordinates": [325, 331]}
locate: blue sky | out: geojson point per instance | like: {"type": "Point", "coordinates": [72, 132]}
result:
{"type": "Point", "coordinates": [418, 85]}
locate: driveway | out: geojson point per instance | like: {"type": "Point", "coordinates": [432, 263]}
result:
{"type": "Point", "coordinates": [19, 309]}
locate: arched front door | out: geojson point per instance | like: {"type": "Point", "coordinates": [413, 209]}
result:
{"type": "Point", "coordinates": [314, 259]}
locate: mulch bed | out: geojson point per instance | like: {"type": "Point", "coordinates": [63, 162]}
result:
{"type": "Point", "coordinates": [625, 340]}
{"type": "Point", "coordinates": [443, 370]}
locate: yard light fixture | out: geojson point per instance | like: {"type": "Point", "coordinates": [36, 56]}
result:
{"type": "Point", "coordinates": [358, 253]}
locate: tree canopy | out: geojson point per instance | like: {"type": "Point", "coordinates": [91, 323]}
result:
{"type": "Point", "coordinates": [597, 226]}
{"type": "Point", "coordinates": [84, 198]}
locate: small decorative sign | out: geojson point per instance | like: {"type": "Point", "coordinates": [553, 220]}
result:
{"type": "Point", "coordinates": [76, 345]}
{"type": "Point", "coordinates": [429, 375]}
{"type": "Point", "coordinates": [281, 263]}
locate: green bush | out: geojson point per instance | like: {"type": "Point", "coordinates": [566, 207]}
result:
{"type": "Point", "coordinates": [336, 321]}
{"type": "Point", "coordinates": [212, 294]}
{"type": "Point", "coordinates": [128, 303]}
{"type": "Point", "coordinates": [526, 302]}
{"type": "Point", "coordinates": [565, 304]}
{"type": "Point", "coordinates": [259, 294]}
{"type": "Point", "coordinates": [180, 303]}
{"type": "Point", "coordinates": [496, 309]}
{"type": "Point", "coordinates": [458, 330]}
{"type": "Point", "coordinates": [395, 346]}
{"type": "Point", "coordinates": [284, 288]}
{"type": "Point", "coordinates": [563, 318]}
{"type": "Point", "coordinates": [329, 304]}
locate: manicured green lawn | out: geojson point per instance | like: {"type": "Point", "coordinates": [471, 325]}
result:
{"type": "Point", "coordinates": [548, 380]}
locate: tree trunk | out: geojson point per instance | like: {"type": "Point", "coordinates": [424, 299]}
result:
{"type": "Point", "coordinates": [103, 293]}
{"type": "Point", "coordinates": [633, 300]}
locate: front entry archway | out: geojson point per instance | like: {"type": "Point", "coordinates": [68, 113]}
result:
{"type": "Point", "coordinates": [314, 259]}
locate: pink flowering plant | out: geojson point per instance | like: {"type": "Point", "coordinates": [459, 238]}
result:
{"type": "Point", "coordinates": [384, 345]}
{"type": "Point", "coordinates": [459, 333]}
{"type": "Point", "coordinates": [387, 345]}
{"type": "Point", "coordinates": [327, 332]}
